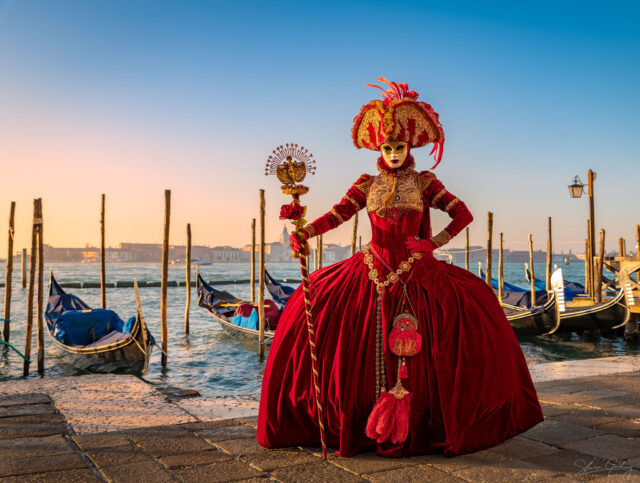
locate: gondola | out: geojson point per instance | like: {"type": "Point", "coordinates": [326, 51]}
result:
{"type": "Point", "coordinates": [278, 291]}
{"type": "Point", "coordinates": [222, 306]}
{"type": "Point", "coordinates": [97, 340]}
{"type": "Point", "coordinates": [605, 316]}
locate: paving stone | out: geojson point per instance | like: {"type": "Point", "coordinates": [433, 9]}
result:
{"type": "Point", "coordinates": [564, 461]}
{"type": "Point", "coordinates": [239, 446]}
{"type": "Point", "coordinates": [629, 428]}
{"type": "Point", "coordinates": [32, 430]}
{"type": "Point", "coordinates": [449, 465]}
{"type": "Point", "coordinates": [549, 410]}
{"type": "Point", "coordinates": [555, 432]}
{"type": "Point", "coordinates": [588, 417]}
{"type": "Point", "coordinates": [192, 459]}
{"type": "Point", "coordinates": [253, 421]}
{"type": "Point", "coordinates": [24, 399]}
{"type": "Point", "coordinates": [204, 425]}
{"type": "Point", "coordinates": [371, 462]}
{"type": "Point", "coordinates": [101, 440]}
{"type": "Point", "coordinates": [556, 398]}
{"type": "Point", "coordinates": [625, 477]}
{"type": "Point", "coordinates": [220, 434]}
{"type": "Point", "coordinates": [42, 464]}
{"type": "Point", "coordinates": [548, 387]}
{"type": "Point", "coordinates": [272, 459]}
{"type": "Point", "coordinates": [229, 470]}
{"type": "Point", "coordinates": [34, 447]}
{"type": "Point", "coordinates": [607, 446]}
{"type": "Point", "coordinates": [141, 471]}
{"type": "Point", "coordinates": [516, 471]}
{"type": "Point", "coordinates": [513, 449]}
{"type": "Point", "coordinates": [316, 472]}
{"type": "Point", "coordinates": [168, 440]}
{"type": "Point", "coordinates": [625, 411]}
{"type": "Point", "coordinates": [635, 462]}
{"type": "Point", "coordinates": [12, 411]}
{"type": "Point", "coordinates": [44, 418]}
{"type": "Point", "coordinates": [595, 394]}
{"type": "Point", "coordinates": [613, 402]}
{"type": "Point", "coordinates": [75, 475]}
{"type": "Point", "coordinates": [117, 455]}
{"type": "Point", "coordinates": [412, 474]}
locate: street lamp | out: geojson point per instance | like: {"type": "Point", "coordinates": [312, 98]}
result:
{"type": "Point", "coordinates": [576, 188]}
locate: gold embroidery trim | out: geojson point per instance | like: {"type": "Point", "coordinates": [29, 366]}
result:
{"type": "Point", "coordinates": [441, 238]}
{"type": "Point", "coordinates": [337, 216]}
{"type": "Point", "coordinates": [364, 186]}
{"type": "Point", "coordinates": [392, 277]}
{"type": "Point", "coordinates": [311, 231]}
{"type": "Point", "coordinates": [399, 190]}
{"type": "Point", "coordinates": [425, 180]}
{"type": "Point", "coordinates": [437, 197]}
{"type": "Point", "coordinates": [353, 202]}
{"type": "Point", "coordinates": [451, 204]}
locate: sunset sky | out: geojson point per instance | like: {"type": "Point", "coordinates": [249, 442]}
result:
{"type": "Point", "coordinates": [130, 98]}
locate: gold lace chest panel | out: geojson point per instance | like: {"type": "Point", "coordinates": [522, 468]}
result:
{"type": "Point", "coordinates": [400, 193]}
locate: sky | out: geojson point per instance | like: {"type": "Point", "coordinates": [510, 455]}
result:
{"type": "Point", "coordinates": [130, 98]}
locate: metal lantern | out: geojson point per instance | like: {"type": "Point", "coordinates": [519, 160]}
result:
{"type": "Point", "coordinates": [576, 188]}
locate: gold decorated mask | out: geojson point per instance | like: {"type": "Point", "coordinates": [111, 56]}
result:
{"type": "Point", "coordinates": [394, 153]}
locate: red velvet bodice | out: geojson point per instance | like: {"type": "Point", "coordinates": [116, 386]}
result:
{"type": "Point", "coordinates": [398, 206]}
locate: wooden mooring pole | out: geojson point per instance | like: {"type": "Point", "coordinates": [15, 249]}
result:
{"type": "Point", "coordinates": [489, 247]}
{"type": "Point", "coordinates": [103, 279]}
{"type": "Point", "coordinates": [466, 249]}
{"type": "Point", "coordinates": [23, 280]}
{"type": "Point", "coordinates": [32, 277]}
{"type": "Point", "coordinates": [253, 261]}
{"type": "Point", "coordinates": [359, 242]}
{"type": "Point", "coordinates": [598, 286]}
{"type": "Point", "coordinates": [622, 247]}
{"type": "Point", "coordinates": [591, 269]}
{"type": "Point", "coordinates": [500, 268]}
{"type": "Point", "coordinates": [549, 256]}
{"type": "Point", "coordinates": [319, 251]}
{"type": "Point", "coordinates": [188, 279]}
{"type": "Point", "coordinates": [586, 266]}
{"type": "Point", "coordinates": [261, 279]}
{"type": "Point", "coordinates": [165, 275]}
{"type": "Point", "coordinates": [638, 240]}
{"type": "Point", "coordinates": [354, 234]}
{"type": "Point", "coordinates": [40, 302]}
{"type": "Point", "coordinates": [532, 271]}
{"type": "Point", "coordinates": [8, 274]}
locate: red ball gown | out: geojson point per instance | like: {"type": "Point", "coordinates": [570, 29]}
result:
{"type": "Point", "coordinates": [470, 383]}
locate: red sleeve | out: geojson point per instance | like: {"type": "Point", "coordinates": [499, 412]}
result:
{"type": "Point", "coordinates": [350, 204]}
{"type": "Point", "coordinates": [436, 196]}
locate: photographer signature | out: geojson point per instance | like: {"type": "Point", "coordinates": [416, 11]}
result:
{"type": "Point", "coordinates": [590, 467]}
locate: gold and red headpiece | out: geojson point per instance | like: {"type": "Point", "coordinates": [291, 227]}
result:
{"type": "Point", "coordinates": [398, 117]}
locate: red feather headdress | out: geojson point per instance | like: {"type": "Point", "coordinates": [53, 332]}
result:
{"type": "Point", "coordinates": [399, 117]}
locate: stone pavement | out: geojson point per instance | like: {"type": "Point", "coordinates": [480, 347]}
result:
{"type": "Point", "coordinates": [591, 432]}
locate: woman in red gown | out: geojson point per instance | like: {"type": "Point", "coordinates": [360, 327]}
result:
{"type": "Point", "coordinates": [469, 384]}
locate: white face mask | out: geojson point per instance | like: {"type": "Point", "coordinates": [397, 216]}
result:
{"type": "Point", "coordinates": [394, 153]}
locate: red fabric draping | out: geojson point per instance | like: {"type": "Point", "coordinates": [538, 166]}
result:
{"type": "Point", "coordinates": [470, 384]}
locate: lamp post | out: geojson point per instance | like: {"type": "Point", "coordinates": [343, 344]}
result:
{"type": "Point", "coordinates": [575, 191]}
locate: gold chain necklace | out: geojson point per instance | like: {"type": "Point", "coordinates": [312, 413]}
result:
{"type": "Point", "coordinates": [392, 277]}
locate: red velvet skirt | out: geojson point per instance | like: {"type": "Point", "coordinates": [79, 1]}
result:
{"type": "Point", "coordinates": [470, 383]}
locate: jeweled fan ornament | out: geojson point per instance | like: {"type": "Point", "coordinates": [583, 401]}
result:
{"type": "Point", "coordinates": [291, 163]}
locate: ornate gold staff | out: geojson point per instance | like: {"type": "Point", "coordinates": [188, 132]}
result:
{"type": "Point", "coordinates": [290, 164]}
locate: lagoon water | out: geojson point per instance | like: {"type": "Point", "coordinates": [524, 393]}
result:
{"type": "Point", "coordinates": [208, 359]}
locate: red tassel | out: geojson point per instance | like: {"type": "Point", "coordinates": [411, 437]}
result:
{"type": "Point", "coordinates": [402, 372]}
{"type": "Point", "coordinates": [390, 416]}
{"type": "Point", "coordinates": [401, 420]}
{"type": "Point", "coordinates": [380, 422]}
